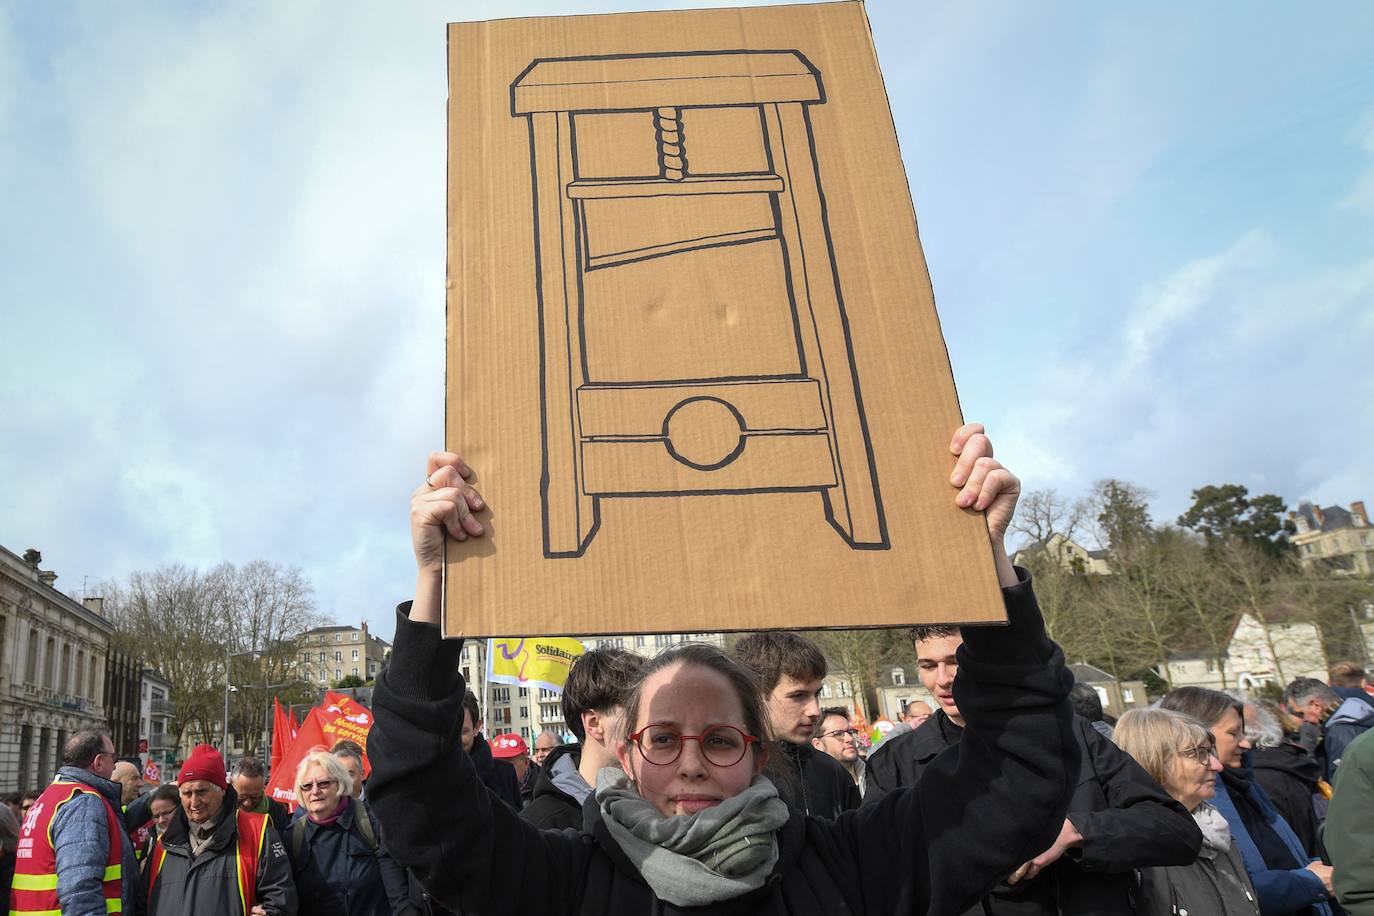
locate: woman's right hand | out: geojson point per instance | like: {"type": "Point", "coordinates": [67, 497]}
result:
{"type": "Point", "coordinates": [442, 505]}
{"type": "Point", "coordinates": [1323, 872]}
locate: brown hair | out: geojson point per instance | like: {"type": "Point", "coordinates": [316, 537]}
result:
{"type": "Point", "coordinates": [922, 633]}
{"type": "Point", "coordinates": [1346, 674]}
{"type": "Point", "coordinates": [599, 680]}
{"type": "Point", "coordinates": [774, 653]}
{"type": "Point", "coordinates": [704, 656]}
{"type": "Point", "coordinates": [819, 728]}
{"type": "Point", "coordinates": [1207, 706]}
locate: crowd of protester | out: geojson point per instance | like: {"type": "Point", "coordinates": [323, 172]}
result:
{"type": "Point", "coordinates": [712, 781]}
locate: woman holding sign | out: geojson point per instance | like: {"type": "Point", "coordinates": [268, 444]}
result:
{"type": "Point", "coordinates": [688, 823]}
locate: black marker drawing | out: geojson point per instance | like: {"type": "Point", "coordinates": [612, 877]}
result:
{"type": "Point", "coordinates": [650, 172]}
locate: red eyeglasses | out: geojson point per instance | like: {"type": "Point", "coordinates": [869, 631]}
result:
{"type": "Point", "coordinates": [721, 745]}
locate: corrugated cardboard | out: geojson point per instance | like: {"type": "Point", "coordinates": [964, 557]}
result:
{"type": "Point", "coordinates": [693, 352]}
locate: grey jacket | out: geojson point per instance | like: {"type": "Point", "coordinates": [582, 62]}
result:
{"type": "Point", "coordinates": [207, 884]}
{"type": "Point", "coordinates": [81, 841]}
{"type": "Point", "coordinates": [1215, 885]}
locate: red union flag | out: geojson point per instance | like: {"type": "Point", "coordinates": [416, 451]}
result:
{"type": "Point", "coordinates": [151, 773]}
{"type": "Point", "coordinates": [324, 726]}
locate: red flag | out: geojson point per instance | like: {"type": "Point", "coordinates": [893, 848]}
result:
{"type": "Point", "coordinates": [295, 726]}
{"type": "Point", "coordinates": [281, 733]}
{"type": "Point", "coordinates": [151, 773]}
{"type": "Point", "coordinates": [340, 717]}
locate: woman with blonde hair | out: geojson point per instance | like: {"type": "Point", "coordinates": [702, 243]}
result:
{"type": "Point", "coordinates": [1178, 752]}
{"type": "Point", "coordinates": [335, 849]}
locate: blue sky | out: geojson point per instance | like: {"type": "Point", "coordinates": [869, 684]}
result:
{"type": "Point", "coordinates": [1150, 231]}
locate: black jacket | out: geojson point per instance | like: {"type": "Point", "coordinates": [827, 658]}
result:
{"type": "Point", "coordinates": [339, 872]}
{"type": "Point", "coordinates": [551, 808]}
{"type": "Point", "coordinates": [1289, 775]}
{"type": "Point", "coordinates": [976, 816]}
{"type": "Point", "coordinates": [812, 782]}
{"type": "Point", "coordinates": [1127, 821]}
{"type": "Point", "coordinates": [496, 775]}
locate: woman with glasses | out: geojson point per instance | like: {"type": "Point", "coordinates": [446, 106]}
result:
{"type": "Point", "coordinates": [1286, 879]}
{"type": "Point", "coordinates": [686, 823]}
{"type": "Point", "coordinates": [1178, 752]}
{"type": "Point", "coordinates": [335, 849]}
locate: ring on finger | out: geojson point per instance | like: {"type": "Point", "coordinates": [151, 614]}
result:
{"type": "Point", "coordinates": [429, 483]}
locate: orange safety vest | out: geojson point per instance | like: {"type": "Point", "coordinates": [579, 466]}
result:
{"type": "Point", "coordinates": [252, 834]}
{"type": "Point", "coordinates": [34, 892]}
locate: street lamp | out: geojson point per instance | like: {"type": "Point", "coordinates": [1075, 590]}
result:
{"type": "Point", "coordinates": [267, 719]}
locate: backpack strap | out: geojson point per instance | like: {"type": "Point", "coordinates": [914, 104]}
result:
{"type": "Point", "coordinates": [298, 844]}
{"type": "Point", "coordinates": [362, 819]}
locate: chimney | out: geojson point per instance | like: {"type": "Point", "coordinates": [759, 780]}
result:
{"type": "Point", "coordinates": [1357, 510]}
{"type": "Point", "coordinates": [95, 605]}
{"type": "Point", "coordinates": [1317, 514]}
{"type": "Point", "coordinates": [47, 577]}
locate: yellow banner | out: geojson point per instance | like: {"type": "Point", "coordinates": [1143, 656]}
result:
{"type": "Point", "coordinates": [535, 661]}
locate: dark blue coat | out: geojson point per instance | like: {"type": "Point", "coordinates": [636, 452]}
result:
{"type": "Point", "coordinates": [1280, 890]}
{"type": "Point", "coordinates": [338, 871]}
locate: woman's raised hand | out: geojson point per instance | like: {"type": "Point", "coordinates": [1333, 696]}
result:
{"type": "Point", "coordinates": [443, 503]}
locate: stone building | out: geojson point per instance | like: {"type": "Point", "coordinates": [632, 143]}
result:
{"type": "Point", "coordinates": [53, 652]}
{"type": "Point", "coordinates": [123, 700]}
{"type": "Point", "coordinates": [1336, 539]}
{"type": "Point", "coordinates": [327, 655]}
{"type": "Point", "coordinates": [155, 718]}
{"type": "Point", "coordinates": [1262, 649]}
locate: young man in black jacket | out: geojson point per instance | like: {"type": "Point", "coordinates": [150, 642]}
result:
{"type": "Point", "coordinates": [1119, 818]}
{"type": "Point", "coordinates": [496, 775]}
{"type": "Point", "coordinates": [593, 708]}
{"type": "Point", "coordinates": [791, 670]}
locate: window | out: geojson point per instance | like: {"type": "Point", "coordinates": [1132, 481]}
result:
{"type": "Point", "coordinates": [641, 642]}
{"type": "Point", "coordinates": [825, 690]}
{"type": "Point", "coordinates": [526, 733]}
{"type": "Point", "coordinates": [65, 673]}
{"type": "Point", "coordinates": [338, 674]}
{"type": "Point", "coordinates": [81, 673]}
{"type": "Point", "coordinates": [467, 674]}
{"type": "Point", "coordinates": [661, 640]}
{"type": "Point", "coordinates": [355, 637]}
{"type": "Point", "coordinates": [1127, 695]}
{"type": "Point", "coordinates": [524, 691]}
{"type": "Point", "coordinates": [321, 656]}
{"type": "Point", "coordinates": [49, 663]}
{"type": "Point", "coordinates": [323, 678]}
{"type": "Point", "coordinates": [355, 672]}
{"type": "Point", "coordinates": [371, 669]}
{"type": "Point", "coordinates": [355, 655]}
{"type": "Point", "coordinates": [500, 694]}
{"type": "Point", "coordinates": [524, 712]}
{"type": "Point", "coordinates": [31, 666]}
{"type": "Point", "coordinates": [898, 677]}
{"type": "Point", "coordinates": [1211, 666]}
{"type": "Point", "coordinates": [338, 656]}
{"type": "Point", "coordinates": [338, 637]}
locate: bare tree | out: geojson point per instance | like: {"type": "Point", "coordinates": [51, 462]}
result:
{"type": "Point", "coordinates": [1191, 579]}
{"type": "Point", "coordinates": [1041, 514]}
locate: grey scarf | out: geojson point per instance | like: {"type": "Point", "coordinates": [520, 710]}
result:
{"type": "Point", "coordinates": [698, 859]}
{"type": "Point", "coordinates": [1216, 833]}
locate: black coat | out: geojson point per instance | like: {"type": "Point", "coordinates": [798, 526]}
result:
{"type": "Point", "coordinates": [936, 848]}
{"type": "Point", "coordinates": [1126, 818]}
{"type": "Point", "coordinates": [339, 872]}
{"type": "Point", "coordinates": [551, 808]}
{"type": "Point", "coordinates": [812, 782]}
{"type": "Point", "coordinates": [496, 775]}
{"type": "Point", "coordinates": [1288, 775]}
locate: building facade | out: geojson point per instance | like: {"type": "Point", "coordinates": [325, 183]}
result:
{"type": "Point", "coordinates": [123, 700]}
{"type": "Point", "coordinates": [327, 655]}
{"type": "Point", "coordinates": [1273, 649]}
{"type": "Point", "coordinates": [1335, 539]}
{"type": "Point", "coordinates": [52, 670]}
{"type": "Point", "coordinates": [155, 719]}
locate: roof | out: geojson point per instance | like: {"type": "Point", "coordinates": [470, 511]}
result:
{"type": "Point", "coordinates": [1333, 518]}
{"type": "Point", "coordinates": [1084, 673]}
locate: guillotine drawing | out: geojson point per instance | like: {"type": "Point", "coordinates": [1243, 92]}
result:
{"type": "Point", "coordinates": [641, 163]}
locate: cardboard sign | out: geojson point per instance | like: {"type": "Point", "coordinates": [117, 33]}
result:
{"type": "Point", "coordinates": [693, 353]}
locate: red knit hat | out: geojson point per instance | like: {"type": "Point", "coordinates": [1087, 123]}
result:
{"type": "Point", "coordinates": [204, 763]}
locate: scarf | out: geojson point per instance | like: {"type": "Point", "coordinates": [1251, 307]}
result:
{"type": "Point", "coordinates": [333, 818]}
{"type": "Point", "coordinates": [198, 836]}
{"type": "Point", "coordinates": [1216, 835]}
{"type": "Point", "coordinates": [697, 859]}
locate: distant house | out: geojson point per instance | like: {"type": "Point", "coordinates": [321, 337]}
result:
{"type": "Point", "coordinates": [1116, 696]}
{"type": "Point", "coordinates": [1336, 539]}
{"type": "Point", "coordinates": [1269, 648]}
{"type": "Point", "coordinates": [898, 686]}
{"type": "Point", "coordinates": [1071, 554]}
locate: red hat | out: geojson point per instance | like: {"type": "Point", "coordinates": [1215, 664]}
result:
{"type": "Point", "coordinates": [205, 763]}
{"type": "Point", "coordinates": [508, 745]}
